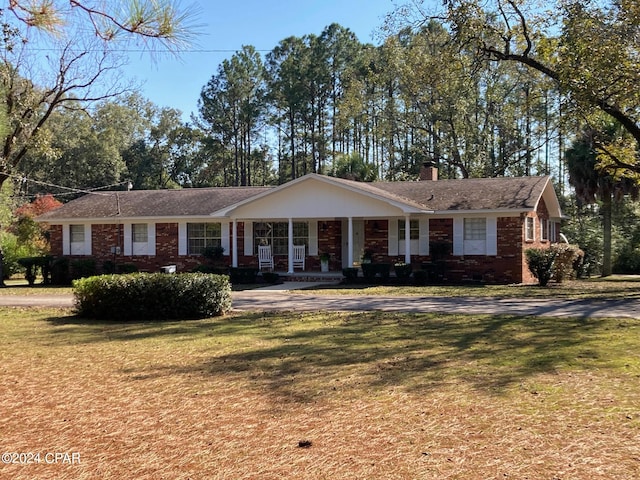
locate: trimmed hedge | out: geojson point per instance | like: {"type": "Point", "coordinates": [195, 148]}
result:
{"type": "Point", "coordinates": [152, 296]}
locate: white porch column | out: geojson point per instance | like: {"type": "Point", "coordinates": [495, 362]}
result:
{"type": "Point", "coordinates": [290, 249]}
{"type": "Point", "coordinates": [350, 243]}
{"type": "Point", "coordinates": [407, 240]}
{"type": "Point", "coordinates": [234, 251]}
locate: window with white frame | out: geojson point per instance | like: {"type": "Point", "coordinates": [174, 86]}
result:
{"type": "Point", "coordinates": [553, 231]}
{"type": "Point", "coordinates": [203, 235]}
{"type": "Point", "coordinates": [276, 234]}
{"type": "Point", "coordinates": [475, 236]}
{"type": "Point", "coordinates": [529, 229]}
{"type": "Point", "coordinates": [140, 238]}
{"type": "Point", "coordinates": [414, 236]}
{"type": "Point", "coordinates": [544, 229]}
{"type": "Point", "coordinates": [76, 239]}
{"type": "Point", "coordinates": [76, 233]}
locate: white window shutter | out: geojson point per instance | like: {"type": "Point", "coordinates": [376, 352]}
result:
{"type": "Point", "coordinates": [458, 236]}
{"type": "Point", "coordinates": [248, 238]}
{"type": "Point", "coordinates": [313, 238]}
{"type": "Point", "coordinates": [393, 237]}
{"type": "Point", "coordinates": [224, 238]}
{"type": "Point", "coordinates": [87, 239]}
{"type": "Point", "coordinates": [66, 242]}
{"type": "Point", "coordinates": [128, 242]}
{"type": "Point", "coordinates": [492, 236]}
{"type": "Point", "coordinates": [182, 238]}
{"type": "Point", "coordinates": [423, 246]}
{"type": "Point", "coordinates": [151, 239]}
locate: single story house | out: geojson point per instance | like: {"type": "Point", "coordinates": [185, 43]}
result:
{"type": "Point", "coordinates": [472, 229]}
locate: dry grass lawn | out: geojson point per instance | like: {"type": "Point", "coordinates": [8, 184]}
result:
{"type": "Point", "coordinates": [377, 396]}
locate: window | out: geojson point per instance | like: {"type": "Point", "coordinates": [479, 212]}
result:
{"type": "Point", "coordinates": [529, 229]}
{"type": "Point", "coordinates": [140, 238]}
{"type": "Point", "coordinates": [139, 233]}
{"type": "Point", "coordinates": [77, 240]}
{"type": "Point", "coordinates": [414, 236]}
{"type": "Point", "coordinates": [544, 229]}
{"type": "Point", "coordinates": [76, 233]}
{"type": "Point", "coordinates": [203, 235]}
{"type": "Point", "coordinates": [475, 229]}
{"type": "Point", "coordinates": [475, 236]}
{"type": "Point", "coordinates": [414, 230]}
{"type": "Point", "coordinates": [553, 230]}
{"type": "Point", "coordinates": [276, 234]}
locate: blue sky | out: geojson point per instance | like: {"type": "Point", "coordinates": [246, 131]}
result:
{"type": "Point", "coordinates": [228, 25]}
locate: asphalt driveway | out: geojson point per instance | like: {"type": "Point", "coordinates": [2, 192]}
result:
{"type": "Point", "coordinates": [284, 297]}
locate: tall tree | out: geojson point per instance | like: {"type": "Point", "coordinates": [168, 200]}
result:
{"type": "Point", "coordinates": [342, 47]}
{"type": "Point", "coordinates": [595, 184]}
{"type": "Point", "coordinates": [232, 108]}
{"type": "Point", "coordinates": [588, 48]}
{"type": "Point", "coordinates": [70, 71]}
{"type": "Point", "coordinates": [160, 20]}
{"type": "Point", "coordinates": [286, 93]}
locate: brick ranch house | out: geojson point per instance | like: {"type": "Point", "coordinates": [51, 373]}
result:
{"type": "Point", "coordinates": [474, 229]}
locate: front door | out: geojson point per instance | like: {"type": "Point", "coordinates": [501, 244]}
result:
{"type": "Point", "coordinates": [357, 247]}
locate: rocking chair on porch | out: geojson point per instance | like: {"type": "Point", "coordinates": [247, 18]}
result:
{"type": "Point", "coordinates": [298, 256]}
{"type": "Point", "coordinates": [265, 259]}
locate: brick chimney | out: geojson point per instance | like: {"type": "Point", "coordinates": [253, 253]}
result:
{"type": "Point", "coordinates": [428, 172]}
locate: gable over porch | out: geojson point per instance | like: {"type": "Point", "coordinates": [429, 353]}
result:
{"type": "Point", "coordinates": [324, 213]}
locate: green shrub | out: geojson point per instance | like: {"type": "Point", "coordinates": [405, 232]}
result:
{"type": "Point", "coordinates": [243, 275]}
{"type": "Point", "coordinates": [213, 253]}
{"type": "Point", "coordinates": [83, 267]}
{"type": "Point", "coordinates": [152, 296]}
{"type": "Point", "coordinates": [568, 261]}
{"type": "Point", "coordinates": [403, 270]}
{"type": "Point", "coordinates": [210, 269]}
{"type": "Point", "coordinates": [31, 266]}
{"type": "Point", "coordinates": [627, 260]}
{"type": "Point", "coordinates": [541, 262]}
{"type": "Point", "coordinates": [420, 277]}
{"type": "Point", "coordinates": [271, 277]}
{"type": "Point", "coordinates": [12, 251]}
{"type": "Point", "coordinates": [350, 274]}
{"type": "Point", "coordinates": [60, 271]}
{"type": "Point", "coordinates": [127, 268]}
{"type": "Point", "coordinates": [108, 267]}
{"type": "Point", "coordinates": [371, 270]}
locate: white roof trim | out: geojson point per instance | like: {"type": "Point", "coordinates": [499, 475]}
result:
{"type": "Point", "coordinates": [407, 207]}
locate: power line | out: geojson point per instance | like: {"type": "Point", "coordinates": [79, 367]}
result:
{"type": "Point", "coordinates": [155, 50]}
{"type": "Point", "coordinates": [71, 190]}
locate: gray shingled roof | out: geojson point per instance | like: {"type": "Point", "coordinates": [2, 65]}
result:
{"type": "Point", "coordinates": [152, 203]}
{"type": "Point", "coordinates": [504, 193]}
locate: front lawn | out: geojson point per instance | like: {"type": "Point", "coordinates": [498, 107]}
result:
{"type": "Point", "coordinates": [323, 395]}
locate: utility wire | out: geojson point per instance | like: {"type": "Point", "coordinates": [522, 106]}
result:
{"type": "Point", "coordinates": [72, 190]}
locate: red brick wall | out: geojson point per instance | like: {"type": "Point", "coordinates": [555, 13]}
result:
{"type": "Point", "coordinates": [105, 236]}
{"type": "Point", "coordinates": [329, 241]}
{"type": "Point", "coordinates": [508, 266]}
{"type": "Point", "coordinates": [55, 240]}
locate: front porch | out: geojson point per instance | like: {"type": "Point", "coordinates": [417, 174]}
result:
{"type": "Point", "coordinates": [344, 241]}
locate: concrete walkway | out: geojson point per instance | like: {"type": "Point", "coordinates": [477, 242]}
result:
{"type": "Point", "coordinates": [283, 297]}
